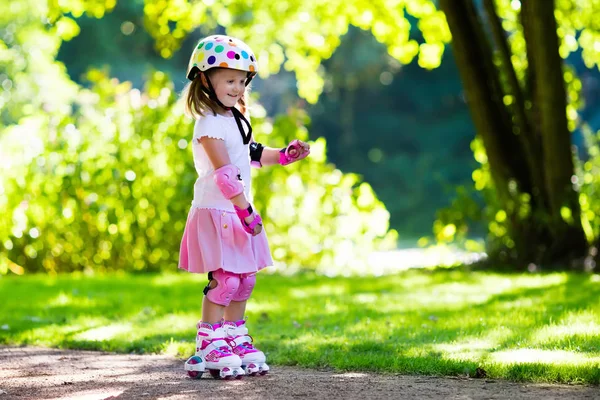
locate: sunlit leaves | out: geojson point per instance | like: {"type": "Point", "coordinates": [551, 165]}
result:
{"type": "Point", "coordinates": [587, 181]}
{"type": "Point", "coordinates": [302, 33]}
{"type": "Point", "coordinates": [29, 77]}
{"type": "Point", "coordinates": [32, 32]}
{"type": "Point", "coordinates": [579, 27]}
{"type": "Point", "coordinates": [66, 28]}
{"type": "Point", "coordinates": [92, 8]}
{"type": "Point", "coordinates": [170, 21]}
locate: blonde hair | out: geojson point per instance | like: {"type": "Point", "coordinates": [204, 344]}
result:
{"type": "Point", "coordinates": [198, 103]}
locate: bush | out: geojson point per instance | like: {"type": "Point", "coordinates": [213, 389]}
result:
{"type": "Point", "coordinates": [107, 186]}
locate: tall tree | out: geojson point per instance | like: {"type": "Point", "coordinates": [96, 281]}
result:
{"type": "Point", "coordinates": [527, 142]}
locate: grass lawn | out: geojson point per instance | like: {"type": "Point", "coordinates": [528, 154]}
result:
{"type": "Point", "coordinates": [525, 327]}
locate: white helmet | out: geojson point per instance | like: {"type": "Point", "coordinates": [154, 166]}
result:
{"type": "Point", "coordinates": [224, 52]}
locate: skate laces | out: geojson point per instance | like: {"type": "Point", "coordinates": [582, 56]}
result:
{"type": "Point", "coordinates": [237, 336]}
{"type": "Point", "coordinates": [248, 342]}
{"type": "Point", "coordinates": [218, 347]}
{"type": "Point", "coordinates": [242, 342]}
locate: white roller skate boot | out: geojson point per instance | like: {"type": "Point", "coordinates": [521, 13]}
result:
{"type": "Point", "coordinates": [253, 360]}
{"type": "Point", "coordinates": [212, 347]}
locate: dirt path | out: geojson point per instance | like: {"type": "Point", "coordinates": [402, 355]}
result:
{"type": "Point", "coordinates": [32, 373]}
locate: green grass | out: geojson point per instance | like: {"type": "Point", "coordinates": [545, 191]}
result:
{"type": "Point", "coordinates": [542, 328]}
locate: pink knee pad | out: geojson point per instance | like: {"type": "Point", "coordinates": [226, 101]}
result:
{"type": "Point", "coordinates": [227, 286]}
{"type": "Point", "coordinates": [247, 282]}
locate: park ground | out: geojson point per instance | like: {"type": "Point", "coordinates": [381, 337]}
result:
{"type": "Point", "coordinates": [42, 373]}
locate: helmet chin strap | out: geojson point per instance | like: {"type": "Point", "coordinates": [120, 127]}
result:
{"type": "Point", "coordinates": [237, 114]}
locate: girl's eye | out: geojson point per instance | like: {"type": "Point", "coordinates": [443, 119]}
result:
{"type": "Point", "coordinates": [230, 81]}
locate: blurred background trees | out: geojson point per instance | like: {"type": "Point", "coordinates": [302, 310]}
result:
{"type": "Point", "coordinates": [96, 171]}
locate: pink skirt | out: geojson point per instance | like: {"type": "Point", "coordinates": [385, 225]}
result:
{"type": "Point", "coordinates": [215, 239]}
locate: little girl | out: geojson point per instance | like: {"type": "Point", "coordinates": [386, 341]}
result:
{"type": "Point", "coordinates": [224, 235]}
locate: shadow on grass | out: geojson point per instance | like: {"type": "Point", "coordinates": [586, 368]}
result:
{"type": "Point", "coordinates": [535, 309]}
{"type": "Point", "coordinates": [393, 323]}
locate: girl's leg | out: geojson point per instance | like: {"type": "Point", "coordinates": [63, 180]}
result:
{"type": "Point", "coordinates": [253, 360]}
{"type": "Point", "coordinates": [212, 350]}
{"type": "Point", "coordinates": [212, 313]}
{"type": "Point", "coordinates": [237, 307]}
{"type": "Point", "coordinates": [235, 311]}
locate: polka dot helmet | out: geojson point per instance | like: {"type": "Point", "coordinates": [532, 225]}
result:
{"type": "Point", "coordinates": [224, 52]}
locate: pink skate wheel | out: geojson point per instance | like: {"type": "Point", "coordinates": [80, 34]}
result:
{"type": "Point", "coordinates": [195, 374]}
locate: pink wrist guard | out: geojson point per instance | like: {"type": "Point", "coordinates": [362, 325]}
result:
{"type": "Point", "coordinates": [243, 214]}
{"type": "Point", "coordinates": [292, 153]}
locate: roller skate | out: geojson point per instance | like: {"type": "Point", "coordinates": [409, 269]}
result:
{"type": "Point", "coordinates": [253, 360]}
{"type": "Point", "coordinates": [212, 347]}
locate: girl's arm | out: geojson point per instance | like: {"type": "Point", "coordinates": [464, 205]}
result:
{"type": "Point", "coordinates": [217, 154]}
{"type": "Point", "coordinates": [264, 156]}
{"type": "Point", "coordinates": [270, 156]}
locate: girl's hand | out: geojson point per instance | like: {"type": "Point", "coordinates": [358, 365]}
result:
{"type": "Point", "coordinates": [295, 151]}
{"type": "Point", "coordinates": [251, 221]}
{"type": "Point", "coordinates": [257, 228]}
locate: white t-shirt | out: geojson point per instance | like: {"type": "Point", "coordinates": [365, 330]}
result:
{"type": "Point", "coordinates": [206, 192]}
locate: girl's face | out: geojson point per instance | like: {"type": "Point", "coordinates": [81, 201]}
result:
{"type": "Point", "coordinates": [229, 85]}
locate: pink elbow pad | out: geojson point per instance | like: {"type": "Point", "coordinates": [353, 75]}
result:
{"type": "Point", "coordinates": [229, 180]}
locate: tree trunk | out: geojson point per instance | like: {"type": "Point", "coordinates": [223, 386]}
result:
{"type": "Point", "coordinates": [539, 160]}
{"type": "Point", "coordinates": [550, 98]}
{"type": "Point", "coordinates": [481, 83]}
{"type": "Point", "coordinates": [522, 126]}
{"type": "Point", "coordinates": [506, 157]}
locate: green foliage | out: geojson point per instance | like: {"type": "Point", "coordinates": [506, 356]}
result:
{"type": "Point", "coordinates": [97, 187]}
{"type": "Point", "coordinates": [588, 182]}
{"type": "Point", "coordinates": [526, 327]}
{"type": "Point", "coordinates": [30, 78]}
{"type": "Point", "coordinates": [119, 40]}
{"type": "Point", "coordinates": [33, 31]}
{"type": "Point", "coordinates": [579, 28]}
{"type": "Point", "coordinates": [301, 33]}
{"type": "Point", "coordinates": [109, 187]}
